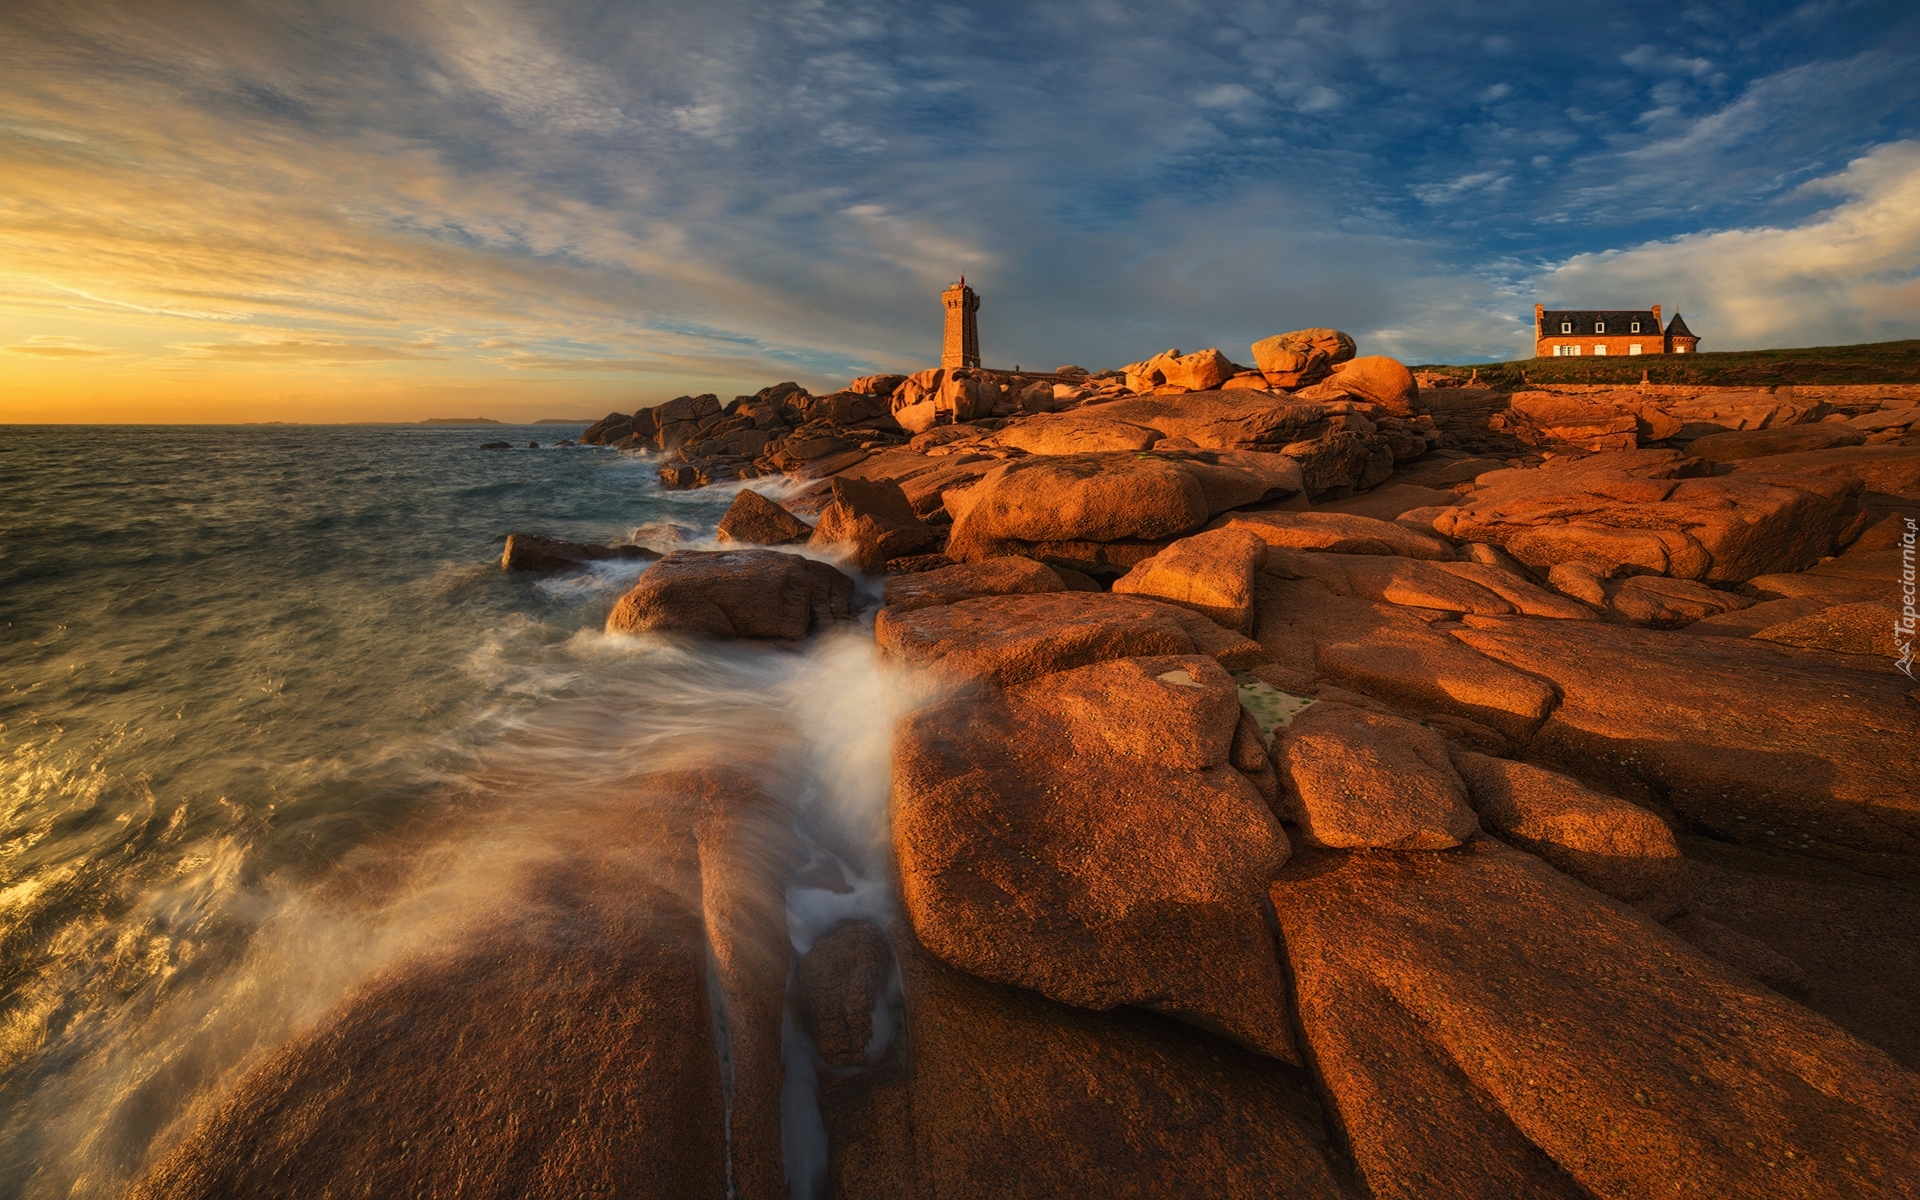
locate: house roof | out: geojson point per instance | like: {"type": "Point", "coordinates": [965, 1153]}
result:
{"type": "Point", "coordinates": [1616, 320]}
{"type": "Point", "coordinates": [1678, 328]}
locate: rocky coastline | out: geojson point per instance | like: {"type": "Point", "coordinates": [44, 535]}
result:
{"type": "Point", "coordinates": [1336, 784]}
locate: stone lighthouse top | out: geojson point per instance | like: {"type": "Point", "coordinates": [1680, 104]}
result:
{"type": "Point", "coordinates": [961, 346]}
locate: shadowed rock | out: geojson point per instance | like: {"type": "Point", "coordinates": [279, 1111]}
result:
{"type": "Point", "coordinates": [1487, 1027]}
{"type": "Point", "coordinates": [1603, 841]}
{"type": "Point", "coordinates": [965, 581]}
{"type": "Point", "coordinates": [874, 519]}
{"type": "Point", "coordinates": [1004, 1093]}
{"type": "Point", "coordinates": [757, 521]}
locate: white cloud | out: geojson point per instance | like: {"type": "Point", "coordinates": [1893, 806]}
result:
{"type": "Point", "coordinates": [1849, 272]}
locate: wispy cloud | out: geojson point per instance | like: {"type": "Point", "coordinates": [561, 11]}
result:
{"type": "Point", "coordinates": [46, 345]}
{"type": "Point", "coordinates": [652, 194]}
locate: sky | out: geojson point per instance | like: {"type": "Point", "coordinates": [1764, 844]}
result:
{"type": "Point", "coordinates": [336, 210]}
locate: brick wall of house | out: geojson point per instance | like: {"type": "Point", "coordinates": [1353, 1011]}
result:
{"type": "Point", "coordinates": [1648, 343]}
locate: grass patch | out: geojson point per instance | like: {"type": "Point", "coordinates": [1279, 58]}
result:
{"type": "Point", "coordinates": [1872, 362]}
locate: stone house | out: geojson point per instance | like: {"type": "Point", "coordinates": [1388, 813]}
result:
{"type": "Point", "coordinates": [1562, 333]}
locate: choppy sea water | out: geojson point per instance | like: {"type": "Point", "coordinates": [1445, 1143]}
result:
{"type": "Point", "coordinates": [241, 664]}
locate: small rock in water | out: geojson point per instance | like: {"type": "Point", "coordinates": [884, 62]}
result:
{"type": "Point", "coordinates": [532, 552]}
{"type": "Point", "coordinates": [496, 445]}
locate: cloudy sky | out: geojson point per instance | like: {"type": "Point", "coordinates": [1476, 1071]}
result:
{"type": "Point", "coordinates": [357, 209]}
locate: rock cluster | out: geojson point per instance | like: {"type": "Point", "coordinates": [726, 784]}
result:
{"type": "Point", "coordinates": [1316, 798]}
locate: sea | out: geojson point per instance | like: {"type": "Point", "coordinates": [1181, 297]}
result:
{"type": "Point", "coordinates": [240, 665]}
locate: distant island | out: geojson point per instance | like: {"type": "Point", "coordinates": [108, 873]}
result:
{"type": "Point", "coordinates": [565, 421]}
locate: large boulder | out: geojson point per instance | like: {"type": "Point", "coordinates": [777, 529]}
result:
{"type": "Point", "coordinates": [1084, 836]}
{"type": "Point", "coordinates": [533, 552]}
{"type": "Point", "coordinates": [837, 985]}
{"type": "Point", "coordinates": [1201, 371]}
{"type": "Point", "coordinates": [733, 594]}
{"type": "Point", "coordinates": [1811, 758]}
{"type": "Point", "coordinates": [1005, 1093]}
{"type": "Point", "coordinates": [1648, 512]}
{"type": "Point", "coordinates": [1136, 499]}
{"type": "Point", "coordinates": [1484, 1027]}
{"type": "Point", "coordinates": [1379, 380]}
{"type": "Point", "coordinates": [1603, 841]}
{"type": "Point", "coordinates": [945, 394]}
{"type": "Point", "coordinates": [757, 521]}
{"type": "Point", "coordinates": [1077, 433]}
{"type": "Point", "coordinates": [1210, 573]}
{"type": "Point", "coordinates": [874, 519]}
{"type": "Point", "coordinates": [1356, 778]}
{"type": "Point", "coordinates": [1223, 420]}
{"type": "Point", "coordinates": [1302, 357]}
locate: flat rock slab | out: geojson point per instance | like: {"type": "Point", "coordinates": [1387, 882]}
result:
{"type": "Point", "coordinates": [1336, 533]}
{"type": "Point", "coordinates": [1008, 576]}
{"type": "Point", "coordinates": [1011, 639]}
{"type": "Point", "coordinates": [1397, 655]}
{"type": "Point", "coordinates": [1488, 1028]}
{"type": "Point", "coordinates": [1766, 744]}
{"type": "Point", "coordinates": [1893, 469]}
{"type": "Point", "coordinates": [1652, 512]}
{"type": "Point", "coordinates": [1007, 1094]}
{"type": "Point", "coordinates": [1452, 587]}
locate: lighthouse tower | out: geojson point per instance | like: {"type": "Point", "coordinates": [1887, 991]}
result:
{"type": "Point", "coordinates": [961, 348]}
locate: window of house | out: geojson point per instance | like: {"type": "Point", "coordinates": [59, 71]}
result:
{"type": "Point", "coordinates": [1636, 328]}
{"type": "Point", "coordinates": [1599, 349]}
{"type": "Point", "coordinates": [1599, 326]}
{"type": "Point", "coordinates": [1566, 327]}
{"type": "Point", "coordinates": [1574, 351]}
{"type": "Point", "coordinates": [1634, 348]}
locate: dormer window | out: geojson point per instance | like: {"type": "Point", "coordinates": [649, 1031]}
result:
{"type": "Point", "coordinates": [1599, 326]}
{"type": "Point", "coordinates": [1566, 327]}
{"type": "Point", "coordinates": [1636, 327]}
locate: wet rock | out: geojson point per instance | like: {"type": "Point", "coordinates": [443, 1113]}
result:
{"type": "Point", "coordinates": [733, 594]}
{"type": "Point", "coordinates": [1354, 778]}
{"type": "Point", "coordinates": [837, 985]}
{"type": "Point", "coordinates": [1811, 757]}
{"type": "Point", "coordinates": [532, 552]}
{"type": "Point", "coordinates": [757, 521]}
{"type": "Point", "coordinates": [496, 445]}
{"type": "Point", "coordinates": [965, 581]}
{"type": "Point", "coordinates": [875, 519]}
{"type": "Point", "coordinates": [1005, 1093]}
{"type": "Point", "coordinates": [1603, 841]}
{"type": "Point", "coordinates": [566, 1047]}
{"type": "Point", "coordinates": [1487, 1027]}
{"type": "Point", "coordinates": [1637, 511]}
{"type": "Point", "coordinates": [1083, 836]}
{"type": "Point", "coordinates": [1210, 573]}
{"type": "Point", "coordinates": [1336, 533]}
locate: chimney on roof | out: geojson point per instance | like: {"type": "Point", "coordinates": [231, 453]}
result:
{"type": "Point", "coordinates": [1656, 315]}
